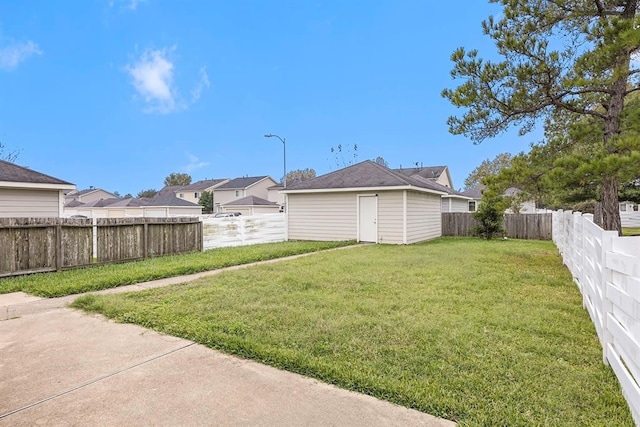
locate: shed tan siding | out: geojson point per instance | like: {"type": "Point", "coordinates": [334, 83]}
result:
{"type": "Point", "coordinates": [16, 203]}
{"type": "Point", "coordinates": [322, 216]}
{"type": "Point", "coordinates": [424, 219]}
{"type": "Point", "coordinates": [390, 217]}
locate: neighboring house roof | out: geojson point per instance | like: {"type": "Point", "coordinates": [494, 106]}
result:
{"type": "Point", "coordinates": [204, 184]}
{"type": "Point", "coordinates": [130, 202]}
{"type": "Point", "coordinates": [240, 183]}
{"type": "Point", "coordinates": [170, 190]}
{"type": "Point", "coordinates": [169, 200]}
{"type": "Point", "coordinates": [475, 192]}
{"type": "Point", "coordinates": [251, 201]}
{"type": "Point", "coordinates": [79, 195]}
{"type": "Point", "coordinates": [89, 191]}
{"type": "Point", "coordinates": [99, 203]}
{"type": "Point", "coordinates": [73, 204]}
{"type": "Point", "coordinates": [158, 200]}
{"type": "Point", "coordinates": [429, 172]}
{"type": "Point", "coordinates": [276, 187]}
{"type": "Point", "coordinates": [365, 174]}
{"type": "Point", "coordinates": [10, 172]}
{"type": "Point", "coordinates": [450, 191]}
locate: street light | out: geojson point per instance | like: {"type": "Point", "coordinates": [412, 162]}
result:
{"type": "Point", "coordinates": [284, 145]}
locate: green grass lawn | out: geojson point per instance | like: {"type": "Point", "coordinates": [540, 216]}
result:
{"type": "Point", "coordinates": [110, 276]}
{"type": "Point", "coordinates": [630, 231]}
{"type": "Point", "coordinates": [480, 332]}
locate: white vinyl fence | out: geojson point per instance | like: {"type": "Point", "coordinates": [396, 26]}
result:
{"type": "Point", "coordinates": [606, 268]}
{"type": "Point", "coordinates": [243, 230]}
{"type": "Point", "coordinates": [630, 218]}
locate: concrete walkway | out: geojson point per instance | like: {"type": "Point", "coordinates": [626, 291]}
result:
{"type": "Point", "coordinates": [60, 366]}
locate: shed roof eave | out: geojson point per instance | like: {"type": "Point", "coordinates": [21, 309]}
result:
{"type": "Point", "coordinates": [457, 196]}
{"type": "Point", "coordinates": [36, 186]}
{"type": "Point", "coordinates": [362, 189]}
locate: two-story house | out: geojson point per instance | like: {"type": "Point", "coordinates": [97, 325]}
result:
{"type": "Point", "coordinates": [239, 188]}
{"type": "Point", "coordinates": [192, 193]}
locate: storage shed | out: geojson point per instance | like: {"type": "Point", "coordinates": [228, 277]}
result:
{"type": "Point", "coordinates": [27, 193]}
{"type": "Point", "coordinates": [366, 202]}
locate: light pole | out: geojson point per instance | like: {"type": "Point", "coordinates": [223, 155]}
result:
{"type": "Point", "coordinates": [284, 145]}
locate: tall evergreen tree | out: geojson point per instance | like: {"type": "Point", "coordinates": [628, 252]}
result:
{"type": "Point", "coordinates": [206, 201]}
{"type": "Point", "coordinates": [571, 56]}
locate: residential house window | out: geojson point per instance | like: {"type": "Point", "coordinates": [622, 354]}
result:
{"type": "Point", "coordinates": [623, 207]}
{"type": "Point", "coordinates": [196, 195]}
{"type": "Point", "coordinates": [181, 195]}
{"type": "Point", "coordinates": [472, 205]}
{"type": "Point", "coordinates": [237, 193]}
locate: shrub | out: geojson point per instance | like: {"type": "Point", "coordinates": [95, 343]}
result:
{"type": "Point", "coordinates": [489, 217]}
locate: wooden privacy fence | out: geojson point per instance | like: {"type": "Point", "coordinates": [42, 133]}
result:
{"type": "Point", "coordinates": [606, 269]}
{"type": "Point", "coordinates": [30, 245]}
{"type": "Point", "coordinates": [243, 230]}
{"type": "Point", "coordinates": [516, 226]}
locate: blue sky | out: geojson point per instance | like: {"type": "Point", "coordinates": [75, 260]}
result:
{"type": "Point", "coordinates": [119, 94]}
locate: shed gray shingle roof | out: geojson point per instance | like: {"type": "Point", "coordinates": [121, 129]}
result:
{"type": "Point", "coordinates": [362, 175]}
{"type": "Point", "coordinates": [13, 173]}
{"type": "Point", "coordinates": [240, 183]}
{"type": "Point", "coordinates": [251, 201]}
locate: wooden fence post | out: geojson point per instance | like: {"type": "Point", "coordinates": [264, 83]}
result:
{"type": "Point", "coordinates": [145, 237]}
{"type": "Point", "coordinates": [58, 246]}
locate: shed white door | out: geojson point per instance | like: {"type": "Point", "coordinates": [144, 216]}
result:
{"type": "Point", "coordinates": [368, 219]}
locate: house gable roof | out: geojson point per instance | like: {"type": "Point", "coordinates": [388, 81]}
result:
{"type": "Point", "coordinates": [98, 203]}
{"type": "Point", "coordinates": [241, 183]}
{"type": "Point", "coordinates": [204, 184]}
{"type": "Point", "coordinates": [251, 201]}
{"type": "Point", "coordinates": [10, 172]}
{"type": "Point", "coordinates": [170, 190]}
{"type": "Point", "coordinates": [157, 201]}
{"type": "Point", "coordinates": [89, 191]}
{"type": "Point", "coordinates": [169, 200]}
{"type": "Point", "coordinates": [450, 192]}
{"type": "Point", "coordinates": [475, 192]}
{"type": "Point", "coordinates": [433, 173]}
{"type": "Point", "coordinates": [429, 172]}
{"type": "Point", "coordinates": [365, 174]}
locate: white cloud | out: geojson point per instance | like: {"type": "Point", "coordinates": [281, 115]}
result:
{"type": "Point", "coordinates": [152, 77]}
{"type": "Point", "coordinates": [194, 163]}
{"type": "Point", "coordinates": [202, 85]}
{"type": "Point", "coordinates": [12, 55]}
{"type": "Point", "coordinates": [125, 4]}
